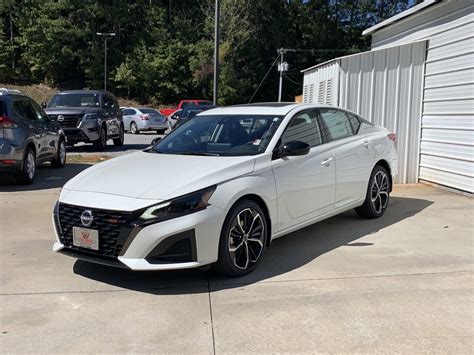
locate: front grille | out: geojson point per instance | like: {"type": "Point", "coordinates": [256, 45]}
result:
{"type": "Point", "coordinates": [69, 121]}
{"type": "Point", "coordinates": [110, 224]}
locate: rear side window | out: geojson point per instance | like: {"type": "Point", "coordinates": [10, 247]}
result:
{"type": "Point", "coordinates": [128, 112]}
{"type": "Point", "coordinates": [24, 108]}
{"type": "Point", "coordinates": [355, 122]}
{"type": "Point", "coordinates": [336, 124]}
{"type": "Point", "coordinates": [303, 127]}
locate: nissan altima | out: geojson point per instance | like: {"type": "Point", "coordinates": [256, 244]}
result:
{"type": "Point", "coordinates": [221, 187]}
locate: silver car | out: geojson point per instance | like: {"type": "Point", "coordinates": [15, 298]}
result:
{"type": "Point", "coordinates": [136, 120]}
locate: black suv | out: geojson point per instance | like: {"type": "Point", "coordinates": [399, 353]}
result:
{"type": "Point", "coordinates": [90, 116]}
{"type": "Point", "coordinates": [27, 137]}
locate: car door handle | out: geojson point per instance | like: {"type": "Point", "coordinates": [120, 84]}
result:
{"type": "Point", "coordinates": [366, 144]}
{"type": "Point", "coordinates": [327, 161]}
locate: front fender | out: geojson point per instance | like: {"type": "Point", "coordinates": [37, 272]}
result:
{"type": "Point", "coordinates": [263, 186]}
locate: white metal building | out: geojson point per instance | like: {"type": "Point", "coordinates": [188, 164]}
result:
{"type": "Point", "coordinates": [418, 81]}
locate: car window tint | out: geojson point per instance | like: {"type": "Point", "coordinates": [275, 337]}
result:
{"type": "Point", "coordinates": [355, 122]}
{"type": "Point", "coordinates": [2, 108]}
{"type": "Point", "coordinates": [303, 127]}
{"type": "Point", "coordinates": [40, 114]}
{"type": "Point", "coordinates": [24, 109]}
{"type": "Point", "coordinates": [128, 112]}
{"type": "Point", "coordinates": [336, 124]}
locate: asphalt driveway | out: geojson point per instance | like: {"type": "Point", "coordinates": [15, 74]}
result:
{"type": "Point", "coordinates": [401, 283]}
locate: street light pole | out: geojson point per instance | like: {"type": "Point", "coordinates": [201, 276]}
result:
{"type": "Point", "coordinates": [216, 50]}
{"type": "Point", "coordinates": [111, 34]}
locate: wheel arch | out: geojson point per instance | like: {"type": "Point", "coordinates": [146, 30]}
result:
{"type": "Point", "coordinates": [383, 163]}
{"type": "Point", "coordinates": [261, 203]}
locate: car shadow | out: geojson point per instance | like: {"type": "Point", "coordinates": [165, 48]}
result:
{"type": "Point", "coordinates": [46, 177]}
{"type": "Point", "coordinates": [284, 255]}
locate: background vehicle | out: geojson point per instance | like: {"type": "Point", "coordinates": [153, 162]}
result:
{"type": "Point", "coordinates": [90, 116]}
{"type": "Point", "coordinates": [136, 120]}
{"type": "Point", "coordinates": [27, 137]}
{"type": "Point", "coordinates": [242, 176]}
{"type": "Point", "coordinates": [185, 103]}
{"type": "Point", "coordinates": [189, 112]}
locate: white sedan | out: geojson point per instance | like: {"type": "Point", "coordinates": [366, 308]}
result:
{"type": "Point", "coordinates": [240, 176]}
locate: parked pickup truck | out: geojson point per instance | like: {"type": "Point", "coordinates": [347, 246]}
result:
{"type": "Point", "coordinates": [182, 104]}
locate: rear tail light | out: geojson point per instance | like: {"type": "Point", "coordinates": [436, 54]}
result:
{"type": "Point", "coordinates": [393, 138]}
{"type": "Point", "coordinates": [145, 117]}
{"type": "Point", "coordinates": [7, 122]}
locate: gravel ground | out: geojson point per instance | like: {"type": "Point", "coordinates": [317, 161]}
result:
{"type": "Point", "coordinates": [133, 143]}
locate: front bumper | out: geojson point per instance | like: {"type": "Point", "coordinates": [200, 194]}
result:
{"type": "Point", "coordinates": [156, 246]}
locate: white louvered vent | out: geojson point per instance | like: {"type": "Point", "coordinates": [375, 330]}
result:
{"type": "Point", "coordinates": [311, 94]}
{"type": "Point", "coordinates": [321, 91]}
{"type": "Point", "coordinates": [328, 100]}
{"type": "Point", "coordinates": [305, 94]}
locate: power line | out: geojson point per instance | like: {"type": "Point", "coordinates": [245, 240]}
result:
{"type": "Point", "coordinates": [294, 82]}
{"type": "Point", "coordinates": [268, 72]}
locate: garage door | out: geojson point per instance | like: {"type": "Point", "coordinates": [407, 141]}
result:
{"type": "Point", "coordinates": [447, 136]}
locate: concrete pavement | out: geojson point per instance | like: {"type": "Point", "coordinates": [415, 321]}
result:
{"type": "Point", "coordinates": [401, 283]}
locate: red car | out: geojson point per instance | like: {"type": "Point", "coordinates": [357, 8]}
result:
{"type": "Point", "coordinates": [183, 104]}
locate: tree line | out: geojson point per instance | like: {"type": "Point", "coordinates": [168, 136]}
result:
{"type": "Point", "coordinates": [163, 49]}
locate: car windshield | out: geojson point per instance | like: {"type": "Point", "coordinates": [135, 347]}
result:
{"type": "Point", "coordinates": [75, 100]}
{"type": "Point", "coordinates": [204, 103]}
{"type": "Point", "coordinates": [227, 135]}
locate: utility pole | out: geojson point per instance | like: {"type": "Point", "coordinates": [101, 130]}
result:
{"type": "Point", "coordinates": [216, 50]}
{"type": "Point", "coordinates": [282, 67]}
{"type": "Point", "coordinates": [110, 34]}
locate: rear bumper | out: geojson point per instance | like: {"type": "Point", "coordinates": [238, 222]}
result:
{"type": "Point", "coordinates": [10, 157]}
{"type": "Point", "coordinates": [150, 125]}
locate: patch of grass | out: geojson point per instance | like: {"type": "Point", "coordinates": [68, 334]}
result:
{"type": "Point", "coordinates": [89, 158]}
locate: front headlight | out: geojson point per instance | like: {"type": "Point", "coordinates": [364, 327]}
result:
{"type": "Point", "coordinates": [90, 116]}
{"type": "Point", "coordinates": [180, 206]}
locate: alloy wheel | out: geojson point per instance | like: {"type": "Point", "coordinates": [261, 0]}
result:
{"type": "Point", "coordinates": [62, 153]}
{"type": "Point", "coordinates": [246, 238]}
{"type": "Point", "coordinates": [379, 191]}
{"type": "Point", "coordinates": [30, 165]}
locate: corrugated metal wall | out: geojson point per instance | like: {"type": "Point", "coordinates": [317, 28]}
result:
{"type": "Point", "coordinates": [385, 87]}
{"type": "Point", "coordinates": [447, 137]}
{"type": "Point", "coordinates": [320, 85]}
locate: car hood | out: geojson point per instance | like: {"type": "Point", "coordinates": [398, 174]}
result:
{"type": "Point", "coordinates": [71, 110]}
{"type": "Point", "coordinates": [159, 176]}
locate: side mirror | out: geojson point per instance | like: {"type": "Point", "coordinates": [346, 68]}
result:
{"type": "Point", "coordinates": [156, 140]}
{"type": "Point", "coordinates": [43, 105]}
{"type": "Point", "coordinates": [293, 148]}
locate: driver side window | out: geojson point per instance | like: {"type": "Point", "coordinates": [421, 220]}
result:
{"type": "Point", "coordinates": [303, 127]}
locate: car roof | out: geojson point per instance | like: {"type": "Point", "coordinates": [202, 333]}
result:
{"type": "Point", "coordinates": [81, 92]}
{"type": "Point", "coordinates": [262, 108]}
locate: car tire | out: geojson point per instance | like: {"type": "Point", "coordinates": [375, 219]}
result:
{"type": "Point", "coordinates": [60, 160]}
{"type": "Point", "coordinates": [101, 143]}
{"type": "Point", "coordinates": [118, 142]}
{"type": "Point", "coordinates": [134, 128]}
{"type": "Point", "coordinates": [243, 239]}
{"type": "Point", "coordinates": [28, 168]}
{"type": "Point", "coordinates": [378, 194]}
